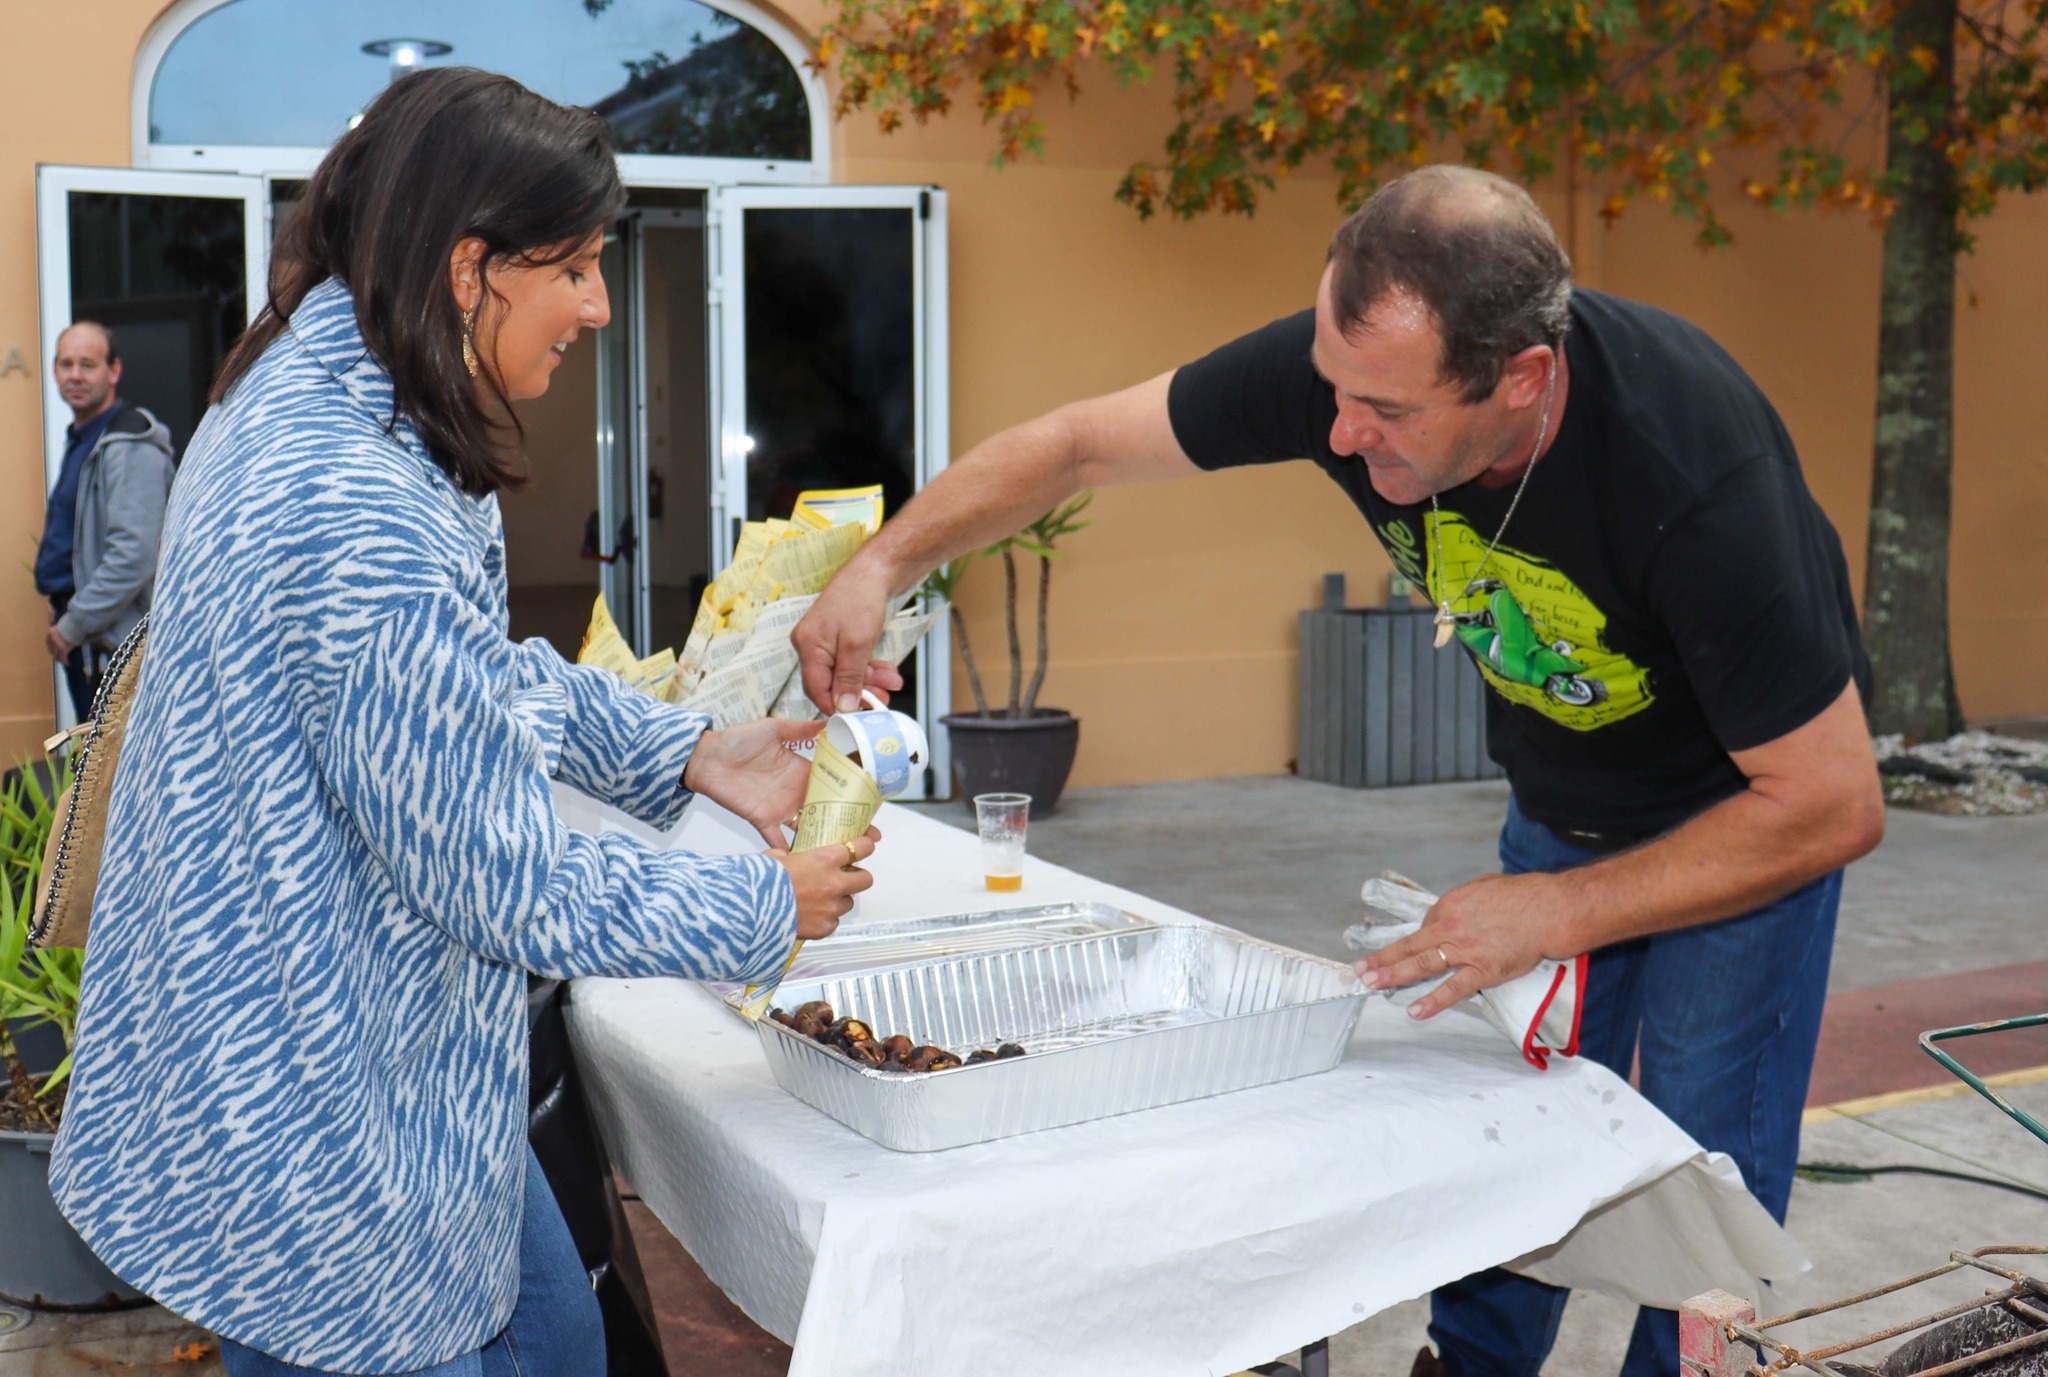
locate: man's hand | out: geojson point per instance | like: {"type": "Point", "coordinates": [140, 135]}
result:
{"type": "Point", "coordinates": [1813, 804]}
{"type": "Point", "coordinates": [992, 491]}
{"type": "Point", "coordinates": [837, 635]}
{"type": "Point", "coordinates": [825, 882]}
{"type": "Point", "coordinates": [59, 648]}
{"type": "Point", "coordinates": [1485, 933]}
{"type": "Point", "coordinates": [755, 771]}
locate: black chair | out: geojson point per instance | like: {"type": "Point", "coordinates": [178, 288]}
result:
{"type": "Point", "coordinates": [572, 1157]}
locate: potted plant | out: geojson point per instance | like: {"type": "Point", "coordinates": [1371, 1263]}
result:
{"type": "Point", "coordinates": [45, 1262]}
{"type": "Point", "coordinates": [1019, 748]}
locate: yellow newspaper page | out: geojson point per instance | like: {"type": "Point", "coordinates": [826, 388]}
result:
{"type": "Point", "coordinates": [802, 563]}
{"type": "Point", "coordinates": [839, 803]}
{"type": "Point", "coordinates": [822, 507]}
{"type": "Point", "coordinates": [604, 647]}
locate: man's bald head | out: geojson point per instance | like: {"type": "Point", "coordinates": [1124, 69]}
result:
{"type": "Point", "coordinates": [87, 368]}
{"type": "Point", "coordinates": [1474, 250]}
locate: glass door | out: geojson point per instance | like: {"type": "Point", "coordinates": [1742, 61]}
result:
{"type": "Point", "coordinates": [831, 372]}
{"type": "Point", "coordinates": [622, 438]}
{"type": "Point", "coordinates": [173, 262]}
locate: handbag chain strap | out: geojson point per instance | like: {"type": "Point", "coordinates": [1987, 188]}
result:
{"type": "Point", "coordinates": [102, 700]}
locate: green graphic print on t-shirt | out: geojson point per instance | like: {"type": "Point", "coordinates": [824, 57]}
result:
{"type": "Point", "coordinates": [1537, 639]}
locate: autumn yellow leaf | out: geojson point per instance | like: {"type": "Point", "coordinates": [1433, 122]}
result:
{"type": "Point", "coordinates": [1037, 36]}
{"type": "Point", "coordinates": [1494, 20]}
{"type": "Point", "coordinates": [1703, 158]}
{"type": "Point", "coordinates": [1269, 38]}
{"type": "Point", "coordinates": [1923, 57]}
{"type": "Point", "coordinates": [1268, 127]}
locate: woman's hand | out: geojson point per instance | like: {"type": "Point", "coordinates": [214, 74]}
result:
{"type": "Point", "coordinates": [755, 771]}
{"type": "Point", "coordinates": [825, 882]}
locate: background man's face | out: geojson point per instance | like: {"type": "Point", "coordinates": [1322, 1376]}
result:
{"type": "Point", "coordinates": [1413, 430]}
{"type": "Point", "coordinates": [84, 376]}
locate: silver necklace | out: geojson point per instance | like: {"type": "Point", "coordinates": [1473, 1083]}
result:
{"type": "Point", "coordinates": [1444, 623]}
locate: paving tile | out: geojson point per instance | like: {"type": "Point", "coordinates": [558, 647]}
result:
{"type": "Point", "coordinates": [1869, 1038]}
{"type": "Point", "coordinates": [702, 1332]}
{"type": "Point", "coordinates": [148, 1342]}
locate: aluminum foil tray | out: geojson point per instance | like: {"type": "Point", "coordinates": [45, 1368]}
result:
{"type": "Point", "coordinates": [1113, 1022]}
{"type": "Point", "coordinates": [878, 946]}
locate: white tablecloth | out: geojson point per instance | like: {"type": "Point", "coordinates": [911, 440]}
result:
{"type": "Point", "coordinates": [1194, 1239]}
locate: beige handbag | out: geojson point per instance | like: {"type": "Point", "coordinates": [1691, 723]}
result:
{"type": "Point", "coordinates": [71, 857]}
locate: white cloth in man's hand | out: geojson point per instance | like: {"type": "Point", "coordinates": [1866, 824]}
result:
{"type": "Point", "coordinates": [1539, 1011]}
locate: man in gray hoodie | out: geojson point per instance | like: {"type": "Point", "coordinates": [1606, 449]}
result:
{"type": "Point", "coordinates": [96, 562]}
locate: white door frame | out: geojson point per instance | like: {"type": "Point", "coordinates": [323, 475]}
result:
{"type": "Point", "coordinates": [54, 185]}
{"type": "Point", "coordinates": [932, 437]}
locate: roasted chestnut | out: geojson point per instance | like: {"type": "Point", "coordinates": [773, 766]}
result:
{"type": "Point", "coordinates": [810, 1025]}
{"type": "Point", "coordinates": [976, 1058]}
{"type": "Point", "coordinates": [931, 1059]}
{"type": "Point", "coordinates": [1008, 1050]}
{"type": "Point", "coordinates": [782, 1018]}
{"type": "Point", "coordinates": [818, 1007]}
{"type": "Point", "coordinates": [847, 1031]}
{"type": "Point", "coordinates": [898, 1047]}
{"type": "Point", "coordinates": [866, 1051]}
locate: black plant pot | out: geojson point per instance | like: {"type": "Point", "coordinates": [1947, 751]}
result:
{"type": "Point", "coordinates": [1000, 754]}
{"type": "Point", "coordinates": [45, 1263]}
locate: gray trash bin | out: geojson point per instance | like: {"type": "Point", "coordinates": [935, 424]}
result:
{"type": "Point", "coordinates": [1380, 704]}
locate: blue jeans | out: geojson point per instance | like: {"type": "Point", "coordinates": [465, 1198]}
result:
{"type": "Point", "coordinates": [1721, 1020]}
{"type": "Point", "coordinates": [556, 1330]}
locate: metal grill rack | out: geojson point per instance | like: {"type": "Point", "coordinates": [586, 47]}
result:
{"type": "Point", "coordinates": [1719, 1334]}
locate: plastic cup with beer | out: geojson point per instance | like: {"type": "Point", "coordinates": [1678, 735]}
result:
{"type": "Point", "coordinates": [1001, 819]}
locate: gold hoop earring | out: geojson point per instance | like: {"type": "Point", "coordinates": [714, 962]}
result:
{"type": "Point", "coordinates": [468, 340]}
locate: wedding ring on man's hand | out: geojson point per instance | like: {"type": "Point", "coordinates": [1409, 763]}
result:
{"type": "Point", "coordinates": [1441, 957]}
{"type": "Point", "coordinates": [852, 855]}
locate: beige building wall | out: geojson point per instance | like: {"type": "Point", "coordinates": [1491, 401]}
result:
{"type": "Point", "coordinates": [1176, 610]}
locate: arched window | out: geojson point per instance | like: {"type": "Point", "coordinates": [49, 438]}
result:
{"type": "Point", "coordinates": [676, 78]}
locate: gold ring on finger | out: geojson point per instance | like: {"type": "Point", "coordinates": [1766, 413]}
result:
{"type": "Point", "coordinates": [852, 855]}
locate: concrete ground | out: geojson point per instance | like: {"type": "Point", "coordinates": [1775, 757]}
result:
{"type": "Point", "coordinates": [1944, 924]}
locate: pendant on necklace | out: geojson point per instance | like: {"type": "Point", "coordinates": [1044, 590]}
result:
{"type": "Point", "coordinates": [1443, 625]}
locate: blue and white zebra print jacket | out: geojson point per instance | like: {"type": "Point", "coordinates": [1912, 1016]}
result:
{"type": "Point", "coordinates": [298, 1110]}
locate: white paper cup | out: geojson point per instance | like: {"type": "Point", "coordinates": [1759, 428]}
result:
{"type": "Point", "coordinates": [888, 745]}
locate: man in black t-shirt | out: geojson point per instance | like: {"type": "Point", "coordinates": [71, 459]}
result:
{"type": "Point", "coordinates": [1610, 519]}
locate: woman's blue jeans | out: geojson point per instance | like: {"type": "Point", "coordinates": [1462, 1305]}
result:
{"type": "Point", "coordinates": [556, 1328]}
{"type": "Point", "coordinates": [1721, 1022]}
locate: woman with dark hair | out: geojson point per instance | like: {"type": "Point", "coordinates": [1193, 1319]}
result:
{"type": "Point", "coordinates": [298, 1106]}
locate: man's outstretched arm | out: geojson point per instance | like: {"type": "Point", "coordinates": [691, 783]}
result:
{"type": "Point", "coordinates": [994, 490]}
{"type": "Point", "coordinates": [1813, 804]}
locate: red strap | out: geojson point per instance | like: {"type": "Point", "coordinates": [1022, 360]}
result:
{"type": "Point", "coordinates": [1535, 1052]}
{"type": "Point", "coordinates": [1579, 964]}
